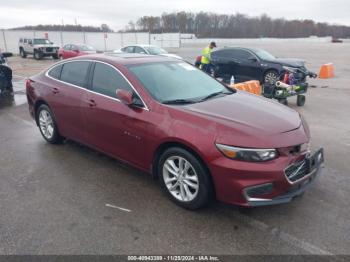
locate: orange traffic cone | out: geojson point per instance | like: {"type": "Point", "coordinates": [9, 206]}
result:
{"type": "Point", "coordinates": [326, 71]}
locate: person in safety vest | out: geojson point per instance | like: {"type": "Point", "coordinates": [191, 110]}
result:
{"type": "Point", "coordinates": [205, 61]}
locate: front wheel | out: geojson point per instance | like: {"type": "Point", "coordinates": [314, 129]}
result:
{"type": "Point", "coordinates": [47, 125]}
{"type": "Point", "coordinates": [184, 178]}
{"type": "Point", "coordinates": [55, 56]}
{"type": "Point", "coordinates": [270, 77]}
{"type": "Point", "coordinates": [37, 55]}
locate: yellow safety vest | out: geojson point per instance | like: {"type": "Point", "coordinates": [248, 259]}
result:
{"type": "Point", "coordinates": [206, 55]}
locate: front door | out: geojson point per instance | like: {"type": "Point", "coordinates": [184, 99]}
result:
{"type": "Point", "coordinates": [112, 126]}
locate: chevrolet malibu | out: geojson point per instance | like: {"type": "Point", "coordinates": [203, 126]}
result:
{"type": "Point", "coordinates": [202, 139]}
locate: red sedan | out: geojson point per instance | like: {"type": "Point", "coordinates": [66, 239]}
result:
{"type": "Point", "coordinates": [72, 50]}
{"type": "Point", "coordinates": [166, 117]}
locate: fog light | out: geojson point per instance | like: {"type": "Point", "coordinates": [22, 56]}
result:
{"type": "Point", "coordinates": [259, 190]}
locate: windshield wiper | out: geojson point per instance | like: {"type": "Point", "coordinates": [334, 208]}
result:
{"type": "Point", "coordinates": [216, 94]}
{"type": "Point", "coordinates": [179, 101]}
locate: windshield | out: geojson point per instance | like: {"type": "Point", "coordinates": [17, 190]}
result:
{"type": "Point", "coordinates": [175, 82]}
{"type": "Point", "coordinates": [86, 48]}
{"type": "Point", "coordinates": [41, 42]}
{"type": "Point", "coordinates": [264, 54]}
{"type": "Point", "coordinates": [154, 50]}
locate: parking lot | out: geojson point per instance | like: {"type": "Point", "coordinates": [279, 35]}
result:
{"type": "Point", "coordinates": [69, 199]}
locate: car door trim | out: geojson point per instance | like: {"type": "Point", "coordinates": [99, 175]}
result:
{"type": "Point", "coordinates": [145, 107]}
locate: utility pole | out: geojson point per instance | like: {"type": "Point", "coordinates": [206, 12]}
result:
{"type": "Point", "coordinates": [3, 35]}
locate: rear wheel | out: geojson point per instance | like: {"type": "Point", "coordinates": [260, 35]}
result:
{"type": "Point", "coordinates": [55, 56]}
{"type": "Point", "coordinates": [271, 77]}
{"type": "Point", "coordinates": [47, 125]}
{"type": "Point", "coordinates": [184, 178]}
{"type": "Point", "coordinates": [301, 100]}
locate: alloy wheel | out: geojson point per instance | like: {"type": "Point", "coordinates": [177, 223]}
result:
{"type": "Point", "coordinates": [46, 124]}
{"type": "Point", "coordinates": [180, 178]}
{"type": "Point", "coordinates": [271, 78]}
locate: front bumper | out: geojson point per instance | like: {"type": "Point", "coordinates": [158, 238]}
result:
{"type": "Point", "coordinates": [252, 184]}
{"type": "Point", "coordinates": [295, 191]}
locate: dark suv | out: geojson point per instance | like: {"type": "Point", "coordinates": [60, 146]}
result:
{"type": "Point", "coordinates": [252, 64]}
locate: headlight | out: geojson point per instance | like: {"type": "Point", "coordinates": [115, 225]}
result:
{"type": "Point", "coordinates": [247, 154]}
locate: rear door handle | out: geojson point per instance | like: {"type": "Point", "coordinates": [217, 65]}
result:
{"type": "Point", "coordinates": [55, 90]}
{"type": "Point", "coordinates": [91, 103]}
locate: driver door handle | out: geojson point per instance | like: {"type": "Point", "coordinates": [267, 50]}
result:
{"type": "Point", "coordinates": [91, 103]}
{"type": "Point", "coordinates": [55, 90]}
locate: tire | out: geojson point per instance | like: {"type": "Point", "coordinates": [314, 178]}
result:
{"type": "Point", "coordinates": [270, 77]}
{"type": "Point", "coordinates": [37, 55]}
{"type": "Point", "coordinates": [283, 101]}
{"type": "Point", "coordinates": [22, 53]}
{"type": "Point", "coordinates": [55, 56]}
{"type": "Point", "coordinates": [47, 125]}
{"type": "Point", "coordinates": [301, 100]}
{"type": "Point", "coordinates": [191, 189]}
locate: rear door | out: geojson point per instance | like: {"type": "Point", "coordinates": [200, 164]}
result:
{"type": "Point", "coordinates": [112, 126]}
{"type": "Point", "coordinates": [66, 93]}
{"type": "Point", "coordinates": [225, 64]}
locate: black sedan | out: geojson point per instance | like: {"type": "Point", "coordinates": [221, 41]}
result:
{"type": "Point", "coordinates": [253, 64]}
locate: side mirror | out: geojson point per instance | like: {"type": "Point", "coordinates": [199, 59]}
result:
{"type": "Point", "coordinates": [253, 59]}
{"type": "Point", "coordinates": [125, 96]}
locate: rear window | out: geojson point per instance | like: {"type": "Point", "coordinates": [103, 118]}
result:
{"type": "Point", "coordinates": [75, 73]}
{"type": "Point", "coordinates": [56, 72]}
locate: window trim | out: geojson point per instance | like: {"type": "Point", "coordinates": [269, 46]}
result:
{"type": "Point", "coordinates": [145, 107]}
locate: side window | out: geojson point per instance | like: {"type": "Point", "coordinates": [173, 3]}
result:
{"type": "Point", "coordinates": [30, 41]}
{"type": "Point", "coordinates": [222, 53]}
{"type": "Point", "coordinates": [139, 50]}
{"type": "Point", "coordinates": [21, 40]}
{"type": "Point", "coordinates": [66, 47]}
{"type": "Point", "coordinates": [75, 73]}
{"type": "Point", "coordinates": [106, 80]}
{"type": "Point", "coordinates": [242, 54]}
{"type": "Point", "coordinates": [25, 41]}
{"type": "Point", "coordinates": [56, 72]}
{"type": "Point", "coordinates": [129, 49]}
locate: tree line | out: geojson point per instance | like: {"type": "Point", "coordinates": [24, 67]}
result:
{"type": "Point", "coordinates": [207, 24]}
{"type": "Point", "coordinates": [69, 28]}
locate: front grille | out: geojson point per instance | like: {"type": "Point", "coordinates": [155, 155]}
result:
{"type": "Point", "coordinates": [296, 171]}
{"type": "Point", "coordinates": [49, 49]}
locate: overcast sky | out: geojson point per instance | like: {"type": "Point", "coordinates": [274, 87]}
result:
{"type": "Point", "coordinates": [117, 13]}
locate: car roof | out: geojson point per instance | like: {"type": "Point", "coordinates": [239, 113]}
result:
{"type": "Point", "coordinates": [238, 48]}
{"type": "Point", "coordinates": [126, 58]}
{"type": "Point", "coordinates": [142, 45]}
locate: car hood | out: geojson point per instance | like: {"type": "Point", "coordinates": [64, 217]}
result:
{"type": "Point", "coordinates": [48, 45]}
{"type": "Point", "coordinates": [293, 62]}
{"type": "Point", "coordinates": [247, 120]}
